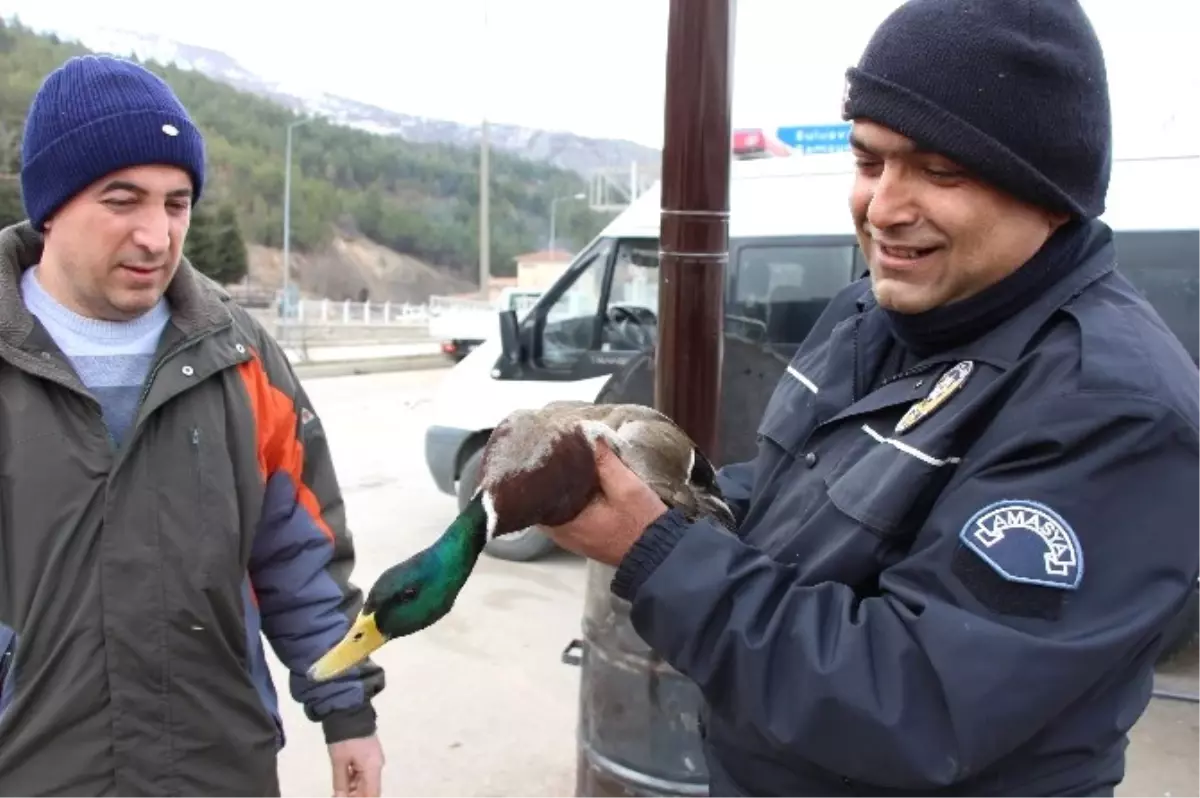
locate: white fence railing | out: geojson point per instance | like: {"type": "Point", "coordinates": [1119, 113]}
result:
{"type": "Point", "coordinates": [328, 312]}
{"type": "Point", "coordinates": [309, 321]}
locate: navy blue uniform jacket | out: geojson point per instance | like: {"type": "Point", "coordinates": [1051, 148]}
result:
{"type": "Point", "coordinates": [971, 604]}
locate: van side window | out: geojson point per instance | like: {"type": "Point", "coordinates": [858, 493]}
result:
{"type": "Point", "coordinates": [631, 316]}
{"type": "Point", "coordinates": [569, 326]}
{"type": "Point", "coordinates": [780, 291]}
{"type": "Point", "coordinates": [1162, 265]}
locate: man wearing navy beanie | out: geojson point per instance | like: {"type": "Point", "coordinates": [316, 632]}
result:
{"type": "Point", "coordinates": [1015, 91]}
{"type": "Point", "coordinates": [972, 518]}
{"type": "Point", "coordinates": [167, 495]}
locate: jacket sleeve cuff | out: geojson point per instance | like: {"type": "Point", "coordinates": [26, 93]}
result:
{"type": "Point", "coordinates": [349, 724]}
{"type": "Point", "coordinates": [647, 552]}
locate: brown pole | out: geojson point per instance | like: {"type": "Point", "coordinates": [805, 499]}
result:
{"type": "Point", "coordinates": [695, 216]}
{"type": "Point", "coordinates": [615, 715]}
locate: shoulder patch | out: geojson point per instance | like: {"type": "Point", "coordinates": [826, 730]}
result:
{"type": "Point", "coordinates": [1026, 542]}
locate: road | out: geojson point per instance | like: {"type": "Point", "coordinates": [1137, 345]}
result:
{"type": "Point", "coordinates": [480, 704]}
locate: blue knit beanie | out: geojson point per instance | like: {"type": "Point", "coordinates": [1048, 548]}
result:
{"type": "Point", "coordinates": [1013, 90]}
{"type": "Point", "coordinates": [95, 115]}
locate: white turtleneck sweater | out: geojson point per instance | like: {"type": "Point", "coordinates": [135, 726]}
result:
{"type": "Point", "coordinates": [111, 358]}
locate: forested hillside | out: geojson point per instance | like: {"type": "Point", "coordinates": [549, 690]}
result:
{"type": "Point", "coordinates": [418, 199]}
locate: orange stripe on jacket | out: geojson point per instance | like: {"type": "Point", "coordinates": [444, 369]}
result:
{"type": "Point", "coordinates": [278, 447]}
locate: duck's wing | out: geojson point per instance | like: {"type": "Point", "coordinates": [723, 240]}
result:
{"type": "Point", "coordinates": [656, 448]}
{"type": "Point", "coordinates": [669, 462]}
{"type": "Point", "coordinates": [566, 408]}
{"type": "Point", "coordinates": [617, 414]}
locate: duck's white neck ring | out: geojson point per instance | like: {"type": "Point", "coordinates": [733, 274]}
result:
{"type": "Point", "coordinates": [489, 508]}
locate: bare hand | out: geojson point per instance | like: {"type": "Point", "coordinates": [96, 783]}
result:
{"type": "Point", "coordinates": [357, 767]}
{"type": "Point", "coordinates": [609, 526]}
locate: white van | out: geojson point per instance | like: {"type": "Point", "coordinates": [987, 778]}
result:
{"type": "Point", "coordinates": [791, 248]}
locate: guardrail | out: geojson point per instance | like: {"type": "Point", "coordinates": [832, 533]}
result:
{"type": "Point", "coordinates": [338, 313]}
{"type": "Point", "coordinates": [331, 312]}
{"type": "Point", "coordinates": [316, 330]}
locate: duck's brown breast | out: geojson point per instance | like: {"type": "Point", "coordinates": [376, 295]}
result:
{"type": "Point", "coordinates": [551, 492]}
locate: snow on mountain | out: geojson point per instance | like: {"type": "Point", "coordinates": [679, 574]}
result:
{"type": "Point", "coordinates": [566, 150]}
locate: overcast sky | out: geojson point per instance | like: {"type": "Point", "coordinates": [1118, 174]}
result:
{"type": "Point", "coordinates": [596, 67]}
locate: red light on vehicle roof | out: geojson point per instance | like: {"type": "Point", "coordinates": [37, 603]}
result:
{"type": "Point", "coordinates": [748, 141]}
{"type": "Point", "coordinates": [756, 143]}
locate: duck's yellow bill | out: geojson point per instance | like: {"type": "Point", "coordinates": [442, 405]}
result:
{"type": "Point", "coordinates": [363, 638]}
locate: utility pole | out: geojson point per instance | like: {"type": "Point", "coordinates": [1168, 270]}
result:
{"type": "Point", "coordinates": [554, 215]}
{"type": "Point", "coordinates": [485, 247]}
{"type": "Point", "coordinates": [485, 266]}
{"type": "Point", "coordinates": [287, 215]}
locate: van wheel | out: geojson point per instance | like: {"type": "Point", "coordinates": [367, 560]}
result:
{"type": "Point", "coordinates": [524, 546]}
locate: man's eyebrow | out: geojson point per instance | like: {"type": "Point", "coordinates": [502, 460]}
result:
{"type": "Point", "coordinates": [857, 143]}
{"type": "Point", "coordinates": [908, 148]}
{"type": "Point", "coordinates": [122, 185]}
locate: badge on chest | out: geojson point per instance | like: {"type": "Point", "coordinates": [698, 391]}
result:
{"type": "Point", "coordinates": [950, 383]}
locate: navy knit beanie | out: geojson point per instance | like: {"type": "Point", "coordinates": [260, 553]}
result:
{"type": "Point", "coordinates": [1013, 90]}
{"type": "Point", "coordinates": [93, 116]}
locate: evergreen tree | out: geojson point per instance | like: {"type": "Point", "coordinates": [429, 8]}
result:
{"type": "Point", "coordinates": [199, 247]}
{"type": "Point", "coordinates": [229, 249]}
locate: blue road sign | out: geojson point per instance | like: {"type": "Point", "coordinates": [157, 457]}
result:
{"type": "Point", "coordinates": [816, 138]}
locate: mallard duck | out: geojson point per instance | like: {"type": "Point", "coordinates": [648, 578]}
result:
{"type": "Point", "coordinates": [538, 468]}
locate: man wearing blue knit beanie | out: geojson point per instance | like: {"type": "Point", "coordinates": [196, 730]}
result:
{"type": "Point", "coordinates": [167, 495]}
{"type": "Point", "coordinates": [972, 517]}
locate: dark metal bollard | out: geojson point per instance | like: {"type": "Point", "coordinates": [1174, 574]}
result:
{"type": "Point", "coordinates": [638, 729]}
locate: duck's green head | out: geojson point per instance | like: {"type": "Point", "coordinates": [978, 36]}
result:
{"type": "Point", "coordinates": [412, 595]}
{"type": "Point", "coordinates": [522, 486]}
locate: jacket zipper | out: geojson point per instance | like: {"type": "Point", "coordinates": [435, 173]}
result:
{"type": "Point", "coordinates": [135, 431]}
{"type": "Point", "coordinates": [198, 484]}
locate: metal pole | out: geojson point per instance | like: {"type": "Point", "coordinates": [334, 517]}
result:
{"type": "Point", "coordinates": [287, 213]}
{"type": "Point", "coordinates": [553, 210]}
{"type": "Point", "coordinates": [687, 383]}
{"type": "Point", "coordinates": [554, 216]}
{"type": "Point", "coordinates": [695, 216]}
{"type": "Point", "coordinates": [485, 254]}
{"type": "Point", "coordinates": [287, 218]}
